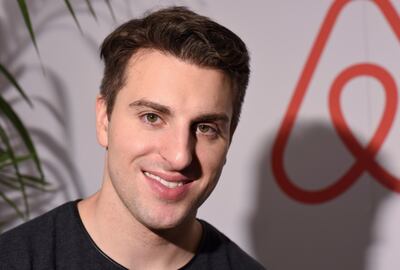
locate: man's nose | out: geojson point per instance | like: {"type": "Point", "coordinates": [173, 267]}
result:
{"type": "Point", "coordinates": [178, 149]}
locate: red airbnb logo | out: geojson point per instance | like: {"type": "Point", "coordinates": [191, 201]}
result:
{"type": "Point", "coordinates": [364, 156]}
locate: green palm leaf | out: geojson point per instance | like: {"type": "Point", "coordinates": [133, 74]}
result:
{"type": "Point", "coordinates": [89, 4]}
{"type": "Point", "coordinates": [10, 151]}
{"type": "Point", "coordinates": [14, 82]}
{"type": "Point", "coordinates": [25, 14]}
{"type": "Point", "coordinates": [71, 10]}
{"type": "Point", "coordinates": [5, 159]}
{"type": "Point", "coordinates": [10, 174]}
{"type": "Point", "coordinates": [12, 204]}
{"type": "Point", "coordinates": [7, 110]}
{"type": "Point", "coordinates": [110, 9]}
{"type": "Point", "coordinates": [12, 182]}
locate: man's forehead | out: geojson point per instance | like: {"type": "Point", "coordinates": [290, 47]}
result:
{"type": "Point", "coordinates": [163, 79]}
{"type": "Point", "coordinates": [143, 53]}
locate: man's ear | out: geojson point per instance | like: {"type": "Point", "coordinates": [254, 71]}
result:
{"type": "Point", "coordinates": [101, 121]}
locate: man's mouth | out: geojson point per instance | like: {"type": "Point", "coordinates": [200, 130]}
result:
{"type": "Point", "coordinates": [166, 183]}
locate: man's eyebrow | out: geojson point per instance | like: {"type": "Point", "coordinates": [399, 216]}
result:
{"type": "Point", "coordinates": [213, 117]}
{"type": "Point", "coordinates": [150, 104]}
{"type": "Point", "coordinates": [210, 117]}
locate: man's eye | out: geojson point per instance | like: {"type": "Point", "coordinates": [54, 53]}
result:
{"type": "Point", "coordinates": [206, 129]}
{"type": "Point", "coordinates": [151, 118]}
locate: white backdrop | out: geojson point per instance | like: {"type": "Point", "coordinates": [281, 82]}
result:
{"type": "Point", "coordinates": [354, 229]}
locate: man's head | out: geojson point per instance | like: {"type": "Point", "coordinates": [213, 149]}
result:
{"type": "Point", "coordinates": [185, 35]}
{"type": "Point", "coordinates": [170, 101]}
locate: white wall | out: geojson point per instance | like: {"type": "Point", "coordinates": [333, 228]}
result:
{"type": "Point", "coordinates": [355, 230]}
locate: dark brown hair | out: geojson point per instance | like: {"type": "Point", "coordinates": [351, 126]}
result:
{"type": "Point", "coordinates": [180, 33]}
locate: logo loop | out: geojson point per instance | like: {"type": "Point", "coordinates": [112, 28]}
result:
{"type": "Point", "coordinates": [364, 157]}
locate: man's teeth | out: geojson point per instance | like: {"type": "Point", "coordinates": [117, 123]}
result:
{"type": "Point", "coordinates": [163, 181]}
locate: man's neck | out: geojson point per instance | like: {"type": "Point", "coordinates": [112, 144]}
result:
{"type": "Point", "coordinates": [130, 243]}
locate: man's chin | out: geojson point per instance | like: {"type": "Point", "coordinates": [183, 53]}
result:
{"type": "Point", "coordinates": [164, 225]}
{"type": "Point", "coordinates": [167, 223]}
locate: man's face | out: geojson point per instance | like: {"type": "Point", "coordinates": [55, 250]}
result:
{"type": "Point", "coordinates": [167, 137]}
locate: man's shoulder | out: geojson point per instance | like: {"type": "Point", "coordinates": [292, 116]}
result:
{"type": "Point", "coordinates": [36, 235]}
{"type": "Point", "coordinates": [43, 224]}
{"type": "Point", "coordinates": [224, 251]}
{"type": "Point", "coordinates": [55, 240]}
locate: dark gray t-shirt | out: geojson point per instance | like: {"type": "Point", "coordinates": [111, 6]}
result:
{"type": "Point", "coordinates": [58, 240]}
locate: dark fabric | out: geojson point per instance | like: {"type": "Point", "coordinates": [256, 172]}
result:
{"type": "Point", "coordinates": [58, 240]}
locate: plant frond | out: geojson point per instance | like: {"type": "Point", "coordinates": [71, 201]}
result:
{"type": "Point", "coordinates": [90, 7]}
{"type": "Point", "coordinates": [6, 141]}
{"type": "Point", "coordinates": [108, 2]}
{"type": "Point", "coordinates": [71, 10]}
{"type": "Point", "coordinates": [12, 204]}
{"type": "Point", "coordinates": [14, 82]}
{"type": "Point", "coordinates": [25, 14]}
{"type": "Point", "coordinates": [7, 110]}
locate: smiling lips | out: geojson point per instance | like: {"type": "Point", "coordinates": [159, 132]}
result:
{"type": "Point", "coordinates": [167, 183]}
{"type": "Point", "coordinates": [171, 188]}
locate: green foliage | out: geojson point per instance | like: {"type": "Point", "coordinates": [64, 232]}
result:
{"type": "Point", "coordinates": [72, 12]}
{"type": "Point", "coordinates": [14, 135]}
{"type": "Point", "coordinates": [10, 162]}
{"type": "Point", "coordinates": [25, 14]}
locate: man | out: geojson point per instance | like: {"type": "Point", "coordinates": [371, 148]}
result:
{"type": "Point", "coordinates": [170, 101]}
